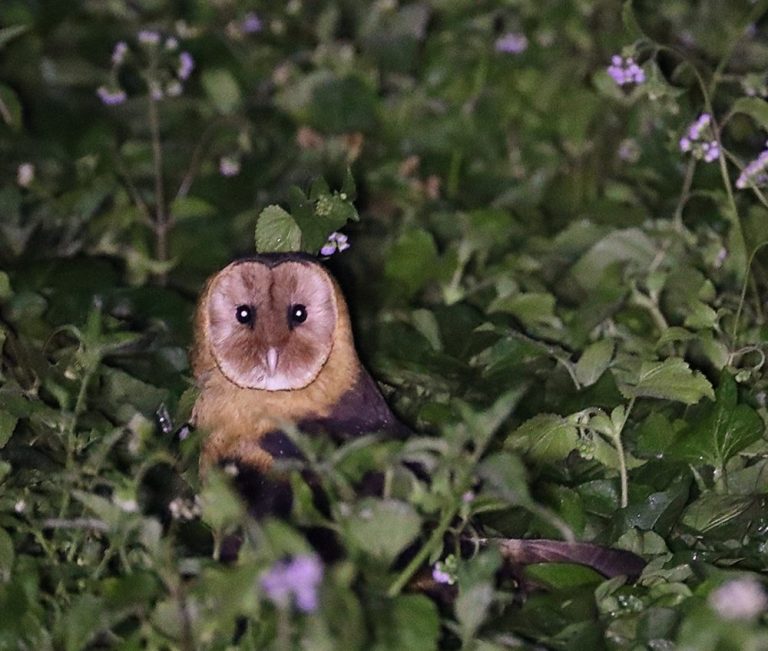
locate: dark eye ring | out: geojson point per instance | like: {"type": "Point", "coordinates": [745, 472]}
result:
{"type": "Point", "coordinates": [244, 314]}
{"type": "Point", "coordinates": [298, 313]}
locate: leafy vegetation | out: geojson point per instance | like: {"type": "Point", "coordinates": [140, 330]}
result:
{"type": "Point", "coordinates": [557, 274]}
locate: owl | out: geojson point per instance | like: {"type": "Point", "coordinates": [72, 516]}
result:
{"type": "Point", "coordinates": [273, 345]}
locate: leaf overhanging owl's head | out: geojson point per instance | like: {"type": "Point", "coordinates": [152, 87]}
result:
{"type": "Point", "coordinates": [270, 321]}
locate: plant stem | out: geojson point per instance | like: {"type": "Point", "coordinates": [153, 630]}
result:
{"type": "Point", "coordinates": [684, 195]}
{"type": "Point", "coordinates": [424, 553]}
{"type": "Point", "coordinates": [161, 216]}
{"type": "Point", "coordinates": [619, 445]}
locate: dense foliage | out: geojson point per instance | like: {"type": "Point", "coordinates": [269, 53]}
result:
{"type": "Point", "coordinates": [555, 274]}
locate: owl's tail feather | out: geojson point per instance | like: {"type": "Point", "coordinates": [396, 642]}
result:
{"type": "Point", "coordinates": [608, 561]}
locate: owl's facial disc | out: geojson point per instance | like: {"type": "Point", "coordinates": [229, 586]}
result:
{"type": "Point", "coordinates": [271, 327]}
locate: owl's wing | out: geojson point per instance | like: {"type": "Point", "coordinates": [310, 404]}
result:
{"type": "Point", "coordinates": [360, 410]}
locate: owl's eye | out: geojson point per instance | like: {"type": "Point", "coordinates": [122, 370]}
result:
{"type": "Point", "coordinates": [244, 314]}
{"type": "Point", "coordinates": [297, 314]}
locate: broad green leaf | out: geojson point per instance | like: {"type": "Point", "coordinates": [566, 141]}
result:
{"type": "Point", "coordinates": [671, 379]}
{"type": "Point", "coordinates": [658, 511]}
{"type": "Point", "coordinates": [505, 476]}
{"type": "Point", "coordinates": [412, 262]}
{"type": "Point", "coordinates": [632, 28]}
{"type": "Point", "coordinates": [222, 89]}
{"type": "Point", "coordinates": [7, 34]}
{"type": "Point", "coordinates": [81, 622]}
{"type": "Point", "coordinates": [276, 230]}
{"type": "Point", "coordinates": [546, 437]}
{"type": "Point", "coordinates": [7, 424]}
{"type": "Point", "coordinates": [530, 307]}
{"type": "Point", "coordinates": [719, 430]}
{"type": "Point", "coordinates": [343, 105]}
{"type": "Point", "coordinates": [407, 622]}
{"type": "Point", "coordinates": [594, 361]}
{"type": "Point", "coordinates": [7, 555]}
{"type": "Point", "coordinates": [754, 107]}
{"type": "Point", "coordinates": [630, 246]}
{"type": "Point", "coordinates": [472, 607]}
{"type": "Point", "coordinates": [187, 207]}
{"type": "Point", "coordinates": [108, 512]}
{"type": "Point", "coordinates": [121, 593]}
{"type": "Point", "coordinates": [381, 528]}
{"type": "Point", "coordinates": [563, 576]}
{"type": "Point", "coordinates": [712, 511]}
{"type": "Point", "coordinates": [10, 108]}
{"type": "Point", "coordinates": [222, 508]}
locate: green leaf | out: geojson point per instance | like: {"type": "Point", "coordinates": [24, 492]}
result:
{"type": "Point", "coordinates": [7, 424]}
{"type": "Point", "coordinates": [630, 246]}
{"type": "Point", "coordinates": [563, 576]}
{"type": "Point", "coordinates": [382, 528]}
{"type": "Point", "coordinates": [472, 606]}
{"type": "Point", "coordinates": [276, 230]}
{"type": "Point", "coordinates": [719, 430]}
{"type": "Point", "coordinates": [546, 437]}
{"type": "Point", "coordinates": [222, 89]}
{"type": "Point", "coordinates": [632, 28]}
{"type": "Point", "coordinates": [410, 622]}
{"type": "Point", "coordinates": [10, 108]}
{"type": "Point", "coordinates": [671, 379]}
{"type": "Point", "coordinates": [6, 556]}
{"type": "Point", "coordinates": [658, 511]}
{"type": "Point", "coordinates": [531, 308]}
{"type": "Point", "coordinates": [594, 361]}
{"type": "Point", "coordinates": [81, 622]}
{"type": "Point", "coordinates": [754, 107]}
{"type": "Point", "coordinates": [412, 262]}
{"type": "Point", "coordinates": [712, 511]}
{"type": "Point", "coordinates": [7, 34]}
{"type": "Point", "coordinates": [343, 105]}
{"type": "Point", "coordinates": [504, 475]}
{"type": "Point", "coordinates": [189, 207]}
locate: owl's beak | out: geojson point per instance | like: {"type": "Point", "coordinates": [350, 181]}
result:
{"type": "Point", "coordinates": [272, 360]}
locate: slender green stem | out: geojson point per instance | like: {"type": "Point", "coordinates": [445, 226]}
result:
{"type": "Point", "coordinates": [738, 242]}
{"type": "Point", "coordinates": [684, 194]}
{"type": "Point", "coordinates": [744, 286]}
{"type": "Point", "coordinates": [462, 484]}
{"type": "Point", "coordinates": [434, 540]}
{"type": "Point", "coordinates": [161, 216]}
{"type": "Point", "coordinates": [619, 444]}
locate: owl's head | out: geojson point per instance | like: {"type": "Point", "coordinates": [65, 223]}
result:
{"type": "Point", "coordinates": [269, 321]}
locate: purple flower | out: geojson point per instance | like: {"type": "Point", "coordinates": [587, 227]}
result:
{"type": "Point", "coordinates": [512, 43]}
{"type": "Point", "coordinates": [251, 23]}
{"type": "Point", "coordinates": [711, 150]}
{"type": "Point", "coordinates": [755, 171]}
{"type": "Point", "coordinates": [119, 52]}
{"type": "Point", "coordinates": [295, 580]}
{"type": "Point", "coordinates": [111, 97]}
{"type": "Point", "coordinates": [336, 242]}
{"type": "Point", "coordinates": [229, 166]}
{"type": "Point", "coordinates": [440, 576]}
{"type": "Point", "coordinates": [148, 37]}
{"type": "Point", "coordinates": [625, 71]}
{"type": "Point", "coordinates": [739, 599]}
{"type": "Point", "coordinates": [629, 150]}
{"type": "Point", "coordinates": [186, 66]}
{"type": "Point", "coordinates": [699, 139]}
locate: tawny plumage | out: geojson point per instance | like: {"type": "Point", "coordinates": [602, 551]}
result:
{"type": "Point", "coordinates": [273, 345]}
